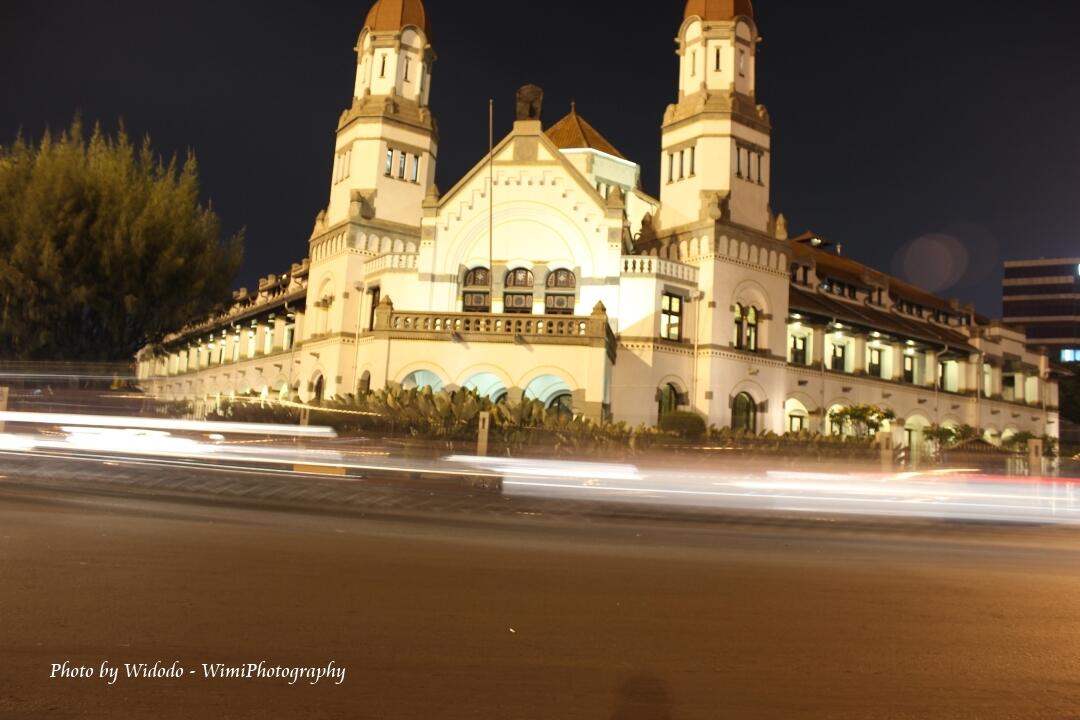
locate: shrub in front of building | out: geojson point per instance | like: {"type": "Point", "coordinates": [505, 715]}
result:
{"type": "Point", "coordinates": [687, 425]}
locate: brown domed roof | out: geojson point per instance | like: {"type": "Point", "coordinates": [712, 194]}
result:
{"type": "Point", "coordinates": [719, 9]}
{"type": "Point", "coordinates": [393, 15]}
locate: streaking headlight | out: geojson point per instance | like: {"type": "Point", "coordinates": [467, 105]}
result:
{"type": "Point", "coordinates": [139, 442]}
{"type": "Point", "coordinates": [16, 442]}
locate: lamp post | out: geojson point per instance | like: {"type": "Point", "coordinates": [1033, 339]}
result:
{"type": "Point", "coordinates": [698, 298]}
{"type": "Point", "coordinates": [360, 288]}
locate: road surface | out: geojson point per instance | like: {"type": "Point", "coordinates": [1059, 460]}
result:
{"type": "Point", "coordinates": [523, 615]}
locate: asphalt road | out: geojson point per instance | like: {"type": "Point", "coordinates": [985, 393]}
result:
{"type": "Point", "coordinates": [530, 616]}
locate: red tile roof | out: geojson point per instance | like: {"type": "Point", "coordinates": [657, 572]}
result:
{"type": "Point", "coordinates": [573, 131]}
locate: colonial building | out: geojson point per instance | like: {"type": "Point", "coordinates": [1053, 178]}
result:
{"type": "Point", "coordinates": [547, 273]}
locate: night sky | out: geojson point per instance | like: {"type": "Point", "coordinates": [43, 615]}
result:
{"type": "Point", "coordinates": [933, 140]}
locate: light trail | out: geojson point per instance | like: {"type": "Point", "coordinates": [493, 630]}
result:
{"type": "Point", "coordinates": [204, 446]}
{"type": "Point", "coordinates": [196, 426]}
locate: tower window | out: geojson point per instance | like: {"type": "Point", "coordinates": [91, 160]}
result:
{"type": "Point", "coordinates": [718, 59]}
{"type": "Point", "coordinates": [693, 161]}
{"type": "Point", "coordinates": [401, 166]}
{"type": "Point", "coordinates": [671, 167]}
{"type": "Point", "coordinates": [742, 63]}
{"type": "Point", "coordinates": [738, 162]}
{"type": "Point", "coordinates": [671, 311]}
{"type": "Point", "coordinates": [407, 63]}
{"type": "Point", "coordinates": [752, 329]}
{"type": "Point", "coordinates": [389, 162]}
{"type": "Point", "coordinates": [415, 174]}
{"type": "Point", "coordinates": [376, 298]}
{"type": "Point", "coordinates": [693, 63]}
{"type": "Point", "coordinates": [382, 68]}
{"type": "Point", "coordinates": [682, 168]}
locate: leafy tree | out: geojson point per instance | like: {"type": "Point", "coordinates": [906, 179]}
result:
{"type": "Point", "coordinates": [1018, 442]}
{"type": "Point", "coordinates": [863, 420]}
{"type": "Point", "coordinates": [945, 436]}
{"type": "Point", "coordinates": [104, 247]}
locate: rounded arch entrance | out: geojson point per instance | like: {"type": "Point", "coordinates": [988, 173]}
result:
{"type": "Point", "coordinates": [487, 384]}
{"type": "Point", "coordinates": [420, 379]}
{"type": "Point", "coordinates": [744, 414]}
{"type": "Point", "coordinates": [551, 390]}
{"type": "Point", "coordinates": [796, 416]}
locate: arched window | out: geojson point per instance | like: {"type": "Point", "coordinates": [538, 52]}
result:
{"type": "Point", "coordinates": [516, 299]}
{"type": "Point", "coordinates": [519, 278]}
{"type": "Point", "coordinates": [560, 296]}
{"type": "Point", "coordinates": [476, 294]}
{"type": "Point", "coordinates": [744, 413]}
{"type": "Point", "coordinates": [668, 400]}
{"type": "Point", "coordinates": [739, 338]}
{"type": "Point", "coordinates": [752, 329]}
{"type": "Point", "coordinates": [746, 327]}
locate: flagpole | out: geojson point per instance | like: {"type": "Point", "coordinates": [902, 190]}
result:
{"type": "Point", "coordinates": [491, 202]}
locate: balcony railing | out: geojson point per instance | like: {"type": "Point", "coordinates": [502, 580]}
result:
{"type": "Point", "coordinates": [391, 261]}
{"type": "Point", "coordinates": [490, 327]}
{"type": "Point", "coordinates": [654, 266]}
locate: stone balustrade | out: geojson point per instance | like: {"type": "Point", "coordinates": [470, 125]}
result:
{"type": "Point", "coordinates": [391, 261]}
{"type": "Point", "coordinates": [654, 266]}
{"type": "Point", "coordinates": [492, 327]}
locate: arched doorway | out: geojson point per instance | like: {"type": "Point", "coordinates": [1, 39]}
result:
{"type": "Point", "coordinates": [796, 416]}
{"type": "Point", "coordinates": [318, 389]}
{"type": "Point", "coordinates": [547, 388]}
{"type": "Point", "coordinates": [914, 426]}
{"type": "Point", "coordinates": [364, 386]}
{"type": "Point", "coordinates": [744, 414]}
{"type": "Point", "coordinates": [487, 385]}
{"type": "Point", "coordinates": [667, 401]}
{"type": "Point", "coordinates": [422, 379]}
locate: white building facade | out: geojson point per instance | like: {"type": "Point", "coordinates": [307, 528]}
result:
{"type": "Point", "coordinates": [546, 273]}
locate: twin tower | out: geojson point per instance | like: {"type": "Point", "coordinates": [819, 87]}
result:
{"type": "Point", "coordinates": [715, 138]}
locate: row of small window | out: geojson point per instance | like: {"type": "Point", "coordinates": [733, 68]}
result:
{"type": "Point", "coordinates": [682, 164]}
{"type": "Point", "coordinates": [560, 299]}
{"type": "Point", "coordinates": [520, 278]}
{"type": "Point", "coordinates": [400, 164]}
{"type": "Point", "coordinates": [671, 322]}
{"type": "Point", "coordinates": [519, 303]}
{"type": "Point", "coordinates": [717, 64]}
{"type": "Point", "coordinates": [750, 164]}
{"type": "Point", "coordinates": [407, 68]}
{"type": "Point", "coordinates": [342, 165]}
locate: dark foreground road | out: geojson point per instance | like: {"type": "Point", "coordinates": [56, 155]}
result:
{"type": "Point", "coordinates": [525, 616]}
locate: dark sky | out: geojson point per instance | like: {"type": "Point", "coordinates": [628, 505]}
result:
{"type": "Point", "coordinates": [930, 139]}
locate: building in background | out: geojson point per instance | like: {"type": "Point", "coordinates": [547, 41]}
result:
{"type": "Point", "coordinates": [546, 273]}
{"type": "Point", "coordinates": [1043, 297]}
